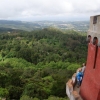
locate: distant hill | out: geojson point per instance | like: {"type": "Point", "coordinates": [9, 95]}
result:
{"type": "Point", "coordinates": [29, 26]}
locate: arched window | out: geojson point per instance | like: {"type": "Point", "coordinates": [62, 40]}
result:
{"type": "Point", "coordinates": [95, 20]}
{"type": "Point", "coordinates": [89, 39]}
{"type": "Point", "coordinates": [95, 41]}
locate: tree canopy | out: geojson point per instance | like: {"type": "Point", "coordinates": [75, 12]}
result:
{"type": "Point", "coordinates": [36, 65]}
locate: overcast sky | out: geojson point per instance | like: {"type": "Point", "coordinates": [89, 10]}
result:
{"type": "Point", "coordinates": [55, 10]}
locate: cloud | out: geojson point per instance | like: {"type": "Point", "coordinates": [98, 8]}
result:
{"type": "Point", "coordinates": [29, 9]}
{"type": "Point", "coordinates": [86, 6]}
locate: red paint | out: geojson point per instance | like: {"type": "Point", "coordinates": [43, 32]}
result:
{"type": "Point", "coordinates": [90, 88]}
{"type": "Point", "coordinates": [98, 96]}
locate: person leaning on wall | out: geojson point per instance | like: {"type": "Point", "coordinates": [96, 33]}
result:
{"type": "Point", "coordinates": [79, 77]}
{"type": "Point", "coordinates": [83, 67]}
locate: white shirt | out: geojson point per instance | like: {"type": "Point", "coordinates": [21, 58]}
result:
{"type": "Point", "coordinates": [83, 68]}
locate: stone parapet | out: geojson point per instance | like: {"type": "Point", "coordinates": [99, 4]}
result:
{"type": "Point", "coordinates": [71, 93]}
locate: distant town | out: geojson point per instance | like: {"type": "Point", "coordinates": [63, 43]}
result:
{"type": "Point", "coordinates": [29, 26]}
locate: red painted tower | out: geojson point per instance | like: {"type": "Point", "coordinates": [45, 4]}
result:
{"type": "Point", "coordinates": [90, 88]}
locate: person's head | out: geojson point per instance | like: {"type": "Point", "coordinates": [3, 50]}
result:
{"type": "Point", "coordinates": [83, 64]}
{"type": "Point", "coordinates": [80, 70]}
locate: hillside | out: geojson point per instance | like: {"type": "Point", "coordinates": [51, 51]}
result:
{"type": "Point", "coordinates": [37, 64]}
{"type": "Point", "coordinates": [29, 26]}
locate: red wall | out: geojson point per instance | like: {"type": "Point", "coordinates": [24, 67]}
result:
{"type": "Point", "coordinates": [99, 95]}
{"type": "Point", "coordinates": [90, 88]}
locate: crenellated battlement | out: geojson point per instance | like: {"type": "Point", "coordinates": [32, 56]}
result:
{"type": "Point", "coordinates": [94, 29]}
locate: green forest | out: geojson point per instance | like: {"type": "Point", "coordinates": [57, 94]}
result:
{"type": "Point", "coordinates": [36, 65]}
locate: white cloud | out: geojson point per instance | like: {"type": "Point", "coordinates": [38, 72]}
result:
{"type": "Point", "coordinates": [86, 6]}
{"type": "Point", "coordinates": [39, 9]}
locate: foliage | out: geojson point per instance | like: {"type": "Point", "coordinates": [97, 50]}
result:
{"type": "Point", "coordinates": [4, 92]}
{"type": "Point", "coordinates": [73, 67]}
{"type": "Point", "coordinates": [35, 65]}
{"type": "Point", "coordinates": [25, 97]}
{"type": "Point", "coordinates": [56, 98]}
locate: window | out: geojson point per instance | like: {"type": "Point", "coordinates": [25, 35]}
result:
{"type": "Point", "coordinates": [95, 20]}
{"type": "Point", "coordinates": [89, 39]}
{"type": "Point", "coordinates": [95, 41]}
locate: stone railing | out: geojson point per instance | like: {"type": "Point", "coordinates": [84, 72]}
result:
{"type": "Point", "coordinates": [70, 85]}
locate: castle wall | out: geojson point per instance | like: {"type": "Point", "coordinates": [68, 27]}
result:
{"type": "Point", "coordinates": [90, 88]}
